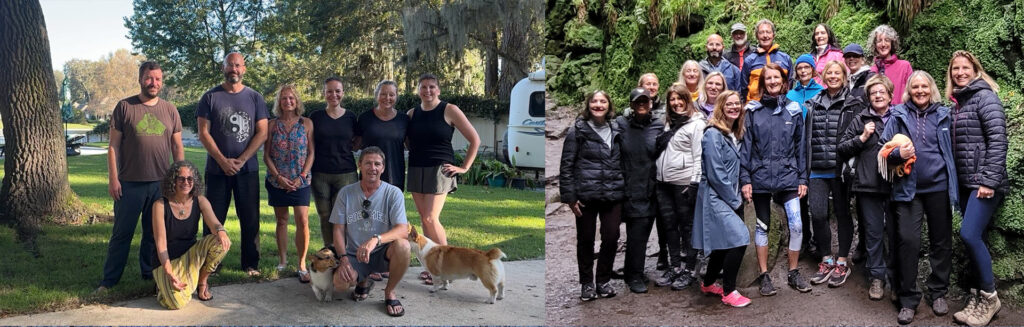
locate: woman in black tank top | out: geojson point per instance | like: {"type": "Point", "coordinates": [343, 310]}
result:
{"type": "Point", "coordinates": [431, 157]}
{"type": "Point", "coordinates": [175, 225]}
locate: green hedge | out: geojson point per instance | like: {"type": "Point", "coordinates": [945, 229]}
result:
{"type": "Point", "coordinates": [472, 105]}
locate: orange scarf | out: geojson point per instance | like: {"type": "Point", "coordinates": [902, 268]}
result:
{"type": "Point", "coordinates": [901, 170]}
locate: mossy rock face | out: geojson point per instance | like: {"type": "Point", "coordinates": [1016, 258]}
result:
{"type": "Point", "coordinates": [583, 35]}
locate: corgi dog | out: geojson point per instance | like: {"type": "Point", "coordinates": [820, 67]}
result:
{"type": "Point", "coordinates": [322, 274]}
{"type": "Point", "coordinates": [447, 263]}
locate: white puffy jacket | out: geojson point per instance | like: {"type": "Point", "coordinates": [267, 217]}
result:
{"type": "Point", "coordinates": [679, 164]}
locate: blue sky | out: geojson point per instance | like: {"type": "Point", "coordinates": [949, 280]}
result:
{"type": "Point", "coordinates": [85, 29]}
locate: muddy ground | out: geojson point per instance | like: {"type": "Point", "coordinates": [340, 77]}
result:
{"type": "Point", "coordinates": [846, 305]}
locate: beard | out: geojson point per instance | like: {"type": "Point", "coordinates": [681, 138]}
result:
{"type": "Point", "coordinates": [151, 92]}
{"type": "Point", "coordinates": [741, 42]}
{"type": "Point", "coordinates": [715, 55]}
{"type": "Point", "coordinates": [232, 78]}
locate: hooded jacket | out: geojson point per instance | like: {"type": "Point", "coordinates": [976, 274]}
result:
{"type": "Point", "coordinates": [865, 173]}
{"type": "Point", "coordinates": [590, 170]}
{"type": "Point", "coordinates": [755, 62]}
{"type": "Point", "coordinates": [905, 188]}
{"type": "Point", "coordinates": [800, 94]}
{"type": "Point", "coordinates": [831, 53]}
{"type": "Point", "coordinates": [898, 71]}
{"type": "Point", "coordinates": [731, 73]}
{"type": "Point", "coordinates": [735, 57]}
{"type": "Point", "coordinates": [716, 225]}
{"type": "Point", "coordinates": [638, 154]}
{"type": "Point", "coordinates": [773, 153]}
{"type": "Point", "coordinates": [979, 137]}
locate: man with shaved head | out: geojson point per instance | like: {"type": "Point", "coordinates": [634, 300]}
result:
{"type": "Point", "coordinates": [714, 62]}
{"type": "Point", "coordinates": [232, 121]}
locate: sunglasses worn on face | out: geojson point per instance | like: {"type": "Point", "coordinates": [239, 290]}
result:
{"type": "Point", "coordinates": [182, 179]}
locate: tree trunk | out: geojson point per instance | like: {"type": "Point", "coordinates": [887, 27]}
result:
{"type": "Point", "coordinates": [35, 184]}
{"type": "Point", "coordinates": [491, 66]}
{"type": "Point", "coordinates": [516, 61]}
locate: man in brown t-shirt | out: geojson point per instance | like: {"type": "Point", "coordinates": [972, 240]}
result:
{"type": "Point", "coordinates": [145, 131]}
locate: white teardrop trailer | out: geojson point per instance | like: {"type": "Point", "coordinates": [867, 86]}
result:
{"type": "Point", "coordinates": [524, 139]}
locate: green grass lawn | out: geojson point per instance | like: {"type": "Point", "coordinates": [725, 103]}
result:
{"type": "Point", "coordinates": [72, 258]}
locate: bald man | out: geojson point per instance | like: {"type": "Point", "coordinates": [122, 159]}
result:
{"type": "Point", "coordinates": [232, 121]}
{"type": "Point", "coordinates": [714, 62]}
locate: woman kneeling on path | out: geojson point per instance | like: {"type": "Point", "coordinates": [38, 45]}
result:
{"type": "Point", "coordinates": [184, 263]}
{"type": "Point", "coordinates": [718, 226]}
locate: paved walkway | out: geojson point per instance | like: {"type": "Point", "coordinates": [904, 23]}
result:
{"type": "Point", "coordinates": [287, 302]}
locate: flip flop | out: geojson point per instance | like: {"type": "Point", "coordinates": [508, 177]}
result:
{"type": "Point", "coordinates": [252, 272]}
{"type": "Point", "coordinates": [303, 276]}
{"type": "Point", "coordinates": [385, 274]}
{"type": "Point", "coordinates": [424, 274]}
{"type": "Point", "coordinates": [199, 292]}
{"type": "Point", "coordinates": [376, 277]}
{"type": "Point", "coordinates": [361, 293]}
{"type": "Point", "coordinates": [427, 278]}
{"type": "Point", "coordinates": [392, 304]}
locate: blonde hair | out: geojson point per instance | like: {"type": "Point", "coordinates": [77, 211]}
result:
{"type": "Point", "coordinates": [876, 80]}
{"type": "Point", "coordinates": [703, 96]}
{"type": "Point", "coordinates": [935, 97]}
{"type": "Point", "coordinates": [831, 63]}
{"type": "Point", "coordinates": [700, 73]}
{"type": "Point", "coordinates": [718, 119]}
{"type": "Point", "coordinates": [978, 70]}
{"type": "Point", "coordinates": [299, 107]}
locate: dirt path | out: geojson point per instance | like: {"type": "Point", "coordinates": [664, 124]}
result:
{"type": "Point", "coordinates": [847, 305]}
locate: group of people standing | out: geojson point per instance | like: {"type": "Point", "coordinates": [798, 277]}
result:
{"type": "Point", "coordinates": [752, 125]}
{"type": "Point", "coordinates": [303, 156]}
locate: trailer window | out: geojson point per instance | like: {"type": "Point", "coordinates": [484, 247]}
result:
{"type": "Point", "coordinates": [537, 104]}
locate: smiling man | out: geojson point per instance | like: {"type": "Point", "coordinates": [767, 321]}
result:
{"type": "Point", "coordinates": [767, 52]}
{"type": "Point", "coordinates": [148, 130]}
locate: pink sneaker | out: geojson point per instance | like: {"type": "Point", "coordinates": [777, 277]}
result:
{"type": "Point", "coordinates": [735, 299]}
{"type": "Point", "coordinates": [713, 289]}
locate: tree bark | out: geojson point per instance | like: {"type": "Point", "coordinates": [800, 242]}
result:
{"type": "Point", "coordinates": [516, 60]}
{"type": "Point", "coordinates": [491, 66]}
{"type": "Point", "coordinates": [35, 184]}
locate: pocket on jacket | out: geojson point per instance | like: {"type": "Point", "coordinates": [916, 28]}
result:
{"type": "Point", "coordinates": [977, 165]}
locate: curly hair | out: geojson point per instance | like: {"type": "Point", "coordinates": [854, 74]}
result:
{"type": "Point", "coordinates": [889, 33]}
{"type": "Point", "coordinates": [167, 183]}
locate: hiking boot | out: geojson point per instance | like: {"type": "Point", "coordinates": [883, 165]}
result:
{"type": "Point", "coordinates": [876, 292]}
{"type": "Point", "coordinates": [940, 307]}
{"type": "Point", "coordinates": [666, 278]}
{"type": "Point", "coordinates": [968, 310]}
{"type": "Point", "coordinates": [605, 290]}
{"type": "Point", "coordinates": [825, 269]}
{"type": "Point", "coordinates": [767, 289]}
{"type": "Point", "coordinates": [987, 306]}
{"type": "Point", "coordinates": [797, 282]}
{"type": "Point", "coordinates": [587, 293]}
{"type": "Point", "coordinates": [905, 316]}
{"type": "Point", "coordinates": [839, 275]}
{"type": "Point", "coordinates": [714, 289]}
{"type": "Point", "coordinates": [637, 285]}
{"type": "Point", "coordinates": [735, 299]}
{"type": "Point", "coordinates": [682, 281]}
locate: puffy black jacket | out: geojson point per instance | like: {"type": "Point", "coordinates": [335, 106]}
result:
{"type": "Point", "coordinates": [979, 137]}
{"type": "Point", "coordinates": [637, 144]}
{"type": "Point", "coordinates": [828, 117]}
{"type": "Point", "coordinates": [590, 171]}
{"type": "Point", "coordinates": [865, 175]}
{"type": "Point", "coordinates": [773, 156]}
{"type": "Point", "coordinates": [858, 95]}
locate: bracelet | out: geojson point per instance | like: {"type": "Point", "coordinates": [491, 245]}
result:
{"type": "Point", "coordinates": [221, 229]}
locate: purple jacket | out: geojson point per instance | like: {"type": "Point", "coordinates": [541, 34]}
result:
{"type": "Point", "coordinates": [898, 71]}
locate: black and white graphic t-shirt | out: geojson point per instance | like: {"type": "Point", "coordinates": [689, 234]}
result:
{"type": "Point", "coordinates": [233, 120]}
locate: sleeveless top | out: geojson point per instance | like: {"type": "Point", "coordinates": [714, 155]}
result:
{"type": "Point", "coordinates": [288, 151]}
{"type": "Point", "coordinates": [181, 233]}
{"type": "Point", "coordinates": [430, 137]}
{"type": "Point", "coordinates": [389, 136]}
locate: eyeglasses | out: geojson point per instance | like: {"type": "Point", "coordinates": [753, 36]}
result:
{"type": "Point", "coordinates": [879, 92]}
{"type": "Point", "coordinates": [183, 179]}
{"type": "Point", "coordinates": [366, 207]}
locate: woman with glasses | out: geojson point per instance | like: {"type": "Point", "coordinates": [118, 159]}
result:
{"type": "Point", "coordinates": [288, 154]}
{"type": "Point", "coordinates": [183, 263]}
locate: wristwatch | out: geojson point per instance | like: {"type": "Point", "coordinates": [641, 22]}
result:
{"type": "Point", "coordinates": [379, 240]}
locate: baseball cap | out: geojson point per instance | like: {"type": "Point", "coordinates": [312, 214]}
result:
{"type": "Point", "coordinates": [637, 93]}
{"type": "Point", "coordinates": [853, 48]}
{"type": "Point", "coordinates": [738, 27]}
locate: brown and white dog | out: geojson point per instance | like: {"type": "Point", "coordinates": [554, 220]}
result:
{"type": "Point", "coordinates": [447, 263]}
{"type": "Point", "coordinates": [322, 274]}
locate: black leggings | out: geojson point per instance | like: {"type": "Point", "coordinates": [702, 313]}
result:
{"type": "Point", "coordinates": [586, 226]}
{"type": "Point", "coordinates": [675, 222]}
{"type": "Point", "coordinates": [817, 200]}
{"type": "Point", "coordinates": [724, 263]}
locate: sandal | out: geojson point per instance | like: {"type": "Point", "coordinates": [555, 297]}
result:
{"type": "Point", "coordinates": [303, 276]}
{"type": "Point", "coordinates": [361, 293]}
{"type": "Point", "coordinates": [252, 272]}
{"type": "Point", "coordinates": [203, 288]}
{"type": "Point", "coordinates": [280, 268]}
{"type": "Point", "coordinates": [385, 275]}
{"type": "Point", "coordinates": [376, 277]}
{"type": "Point", "coordinates": [427, 278]}
{"type": "Point", "coordinates": [394, 304]}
